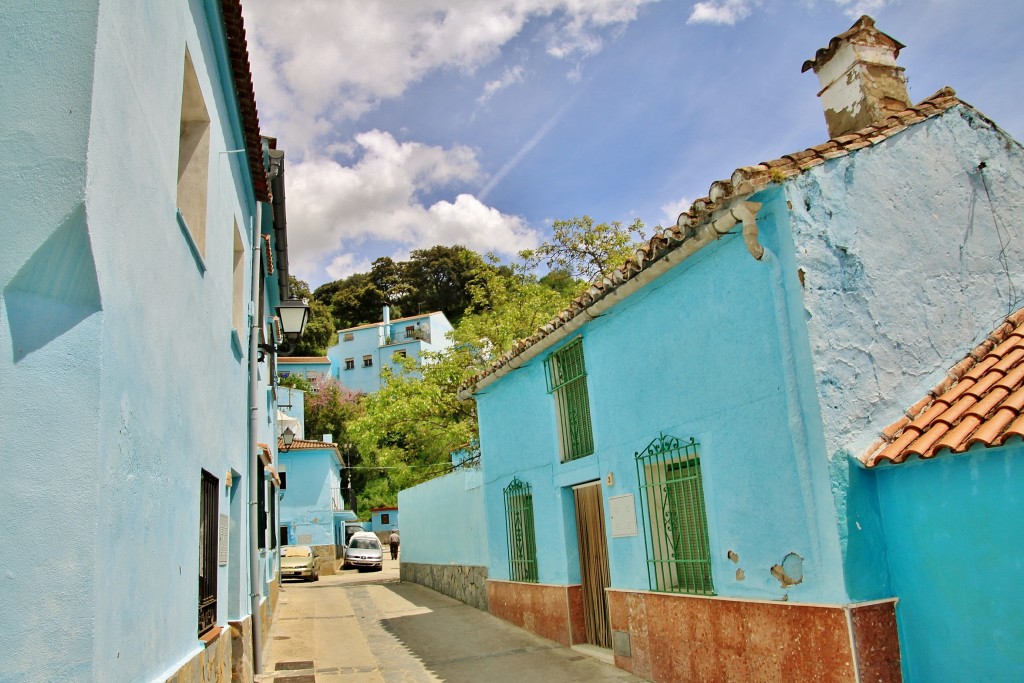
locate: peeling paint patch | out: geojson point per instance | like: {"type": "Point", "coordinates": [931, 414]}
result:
{"type": "Point", "coordinates": [733, 556]}
{"type": "Point", "coordinates": [790, 572]}
{"type": "Point", "coordinates": [740, 575]}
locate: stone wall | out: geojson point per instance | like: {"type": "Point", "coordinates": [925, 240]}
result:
{"type": "Point", "coordinates": [211, 665]}
{"type": "Point", "coordinates": [462, 582]}
{"type": "Point", "coordinates": [327, 558]}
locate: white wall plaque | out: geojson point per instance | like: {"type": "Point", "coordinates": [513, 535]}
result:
{"type": "Point", "coordinates": [623, 513]}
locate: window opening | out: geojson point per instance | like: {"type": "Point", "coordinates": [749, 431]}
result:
{"type": "Point", "coordinates": [208, 539]}
{"type": "Point", "coordinates": [567, 381]}
{"type": "Point", "coordinates": [674, 515]}
{"type": "Point", "coordinates": [522, 544]}
{"type": "Point", "coordinates": [367, 361]}
{"type": "Point", "coordinates": [193, 157]}
{"type": "Point", "coordinates": [350, 363]}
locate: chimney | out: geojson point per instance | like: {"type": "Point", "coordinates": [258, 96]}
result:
{"type": "Point", "coordinates": [860, 82]}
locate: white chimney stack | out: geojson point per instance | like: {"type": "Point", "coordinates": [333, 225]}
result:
{"type": "Point", "coordinates": [860, 82]}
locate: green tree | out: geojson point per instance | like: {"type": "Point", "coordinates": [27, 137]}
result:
{"type": "Point", "coordinates": [438, 279]}
{"type": "Point", "coordinates": [585, 250]}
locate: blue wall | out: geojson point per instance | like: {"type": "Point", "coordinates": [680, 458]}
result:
{"type": "Point", "coordinates": [953, 527]}
{"type": "Point", "coordinates": [443, 520]}
{"type": "Point", "coordinates": [118, 351]}
{"type": "Point", "coordinates": [710, 350]}
{"type": "Point", "coordinates": [377, 521]}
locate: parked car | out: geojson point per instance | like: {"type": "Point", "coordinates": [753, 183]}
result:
{"type": "Point", "coordinates": [299, 562]}
{"type": "Point", "coordinates": [364, 552]}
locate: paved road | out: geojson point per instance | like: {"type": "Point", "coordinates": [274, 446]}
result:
{"type": "Point", "coordinates": [355, 627]}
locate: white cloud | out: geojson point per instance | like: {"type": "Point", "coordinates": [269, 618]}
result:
{"type": "Point", "coordinates": [511, 76]}
{"type": "Point", "coordinates": [720, 11]}
{"type": "Point", "coordinates": [671, 211]}
{"type": "Point", "coordinates": [731, 11]}
{"type": "Point", "coordinates": [343, 265]}
{"type": "Point", "coordinates": [334, 208]}
{"type": "Point", "coordinates": [855, 8]}
{"type": "Point", "coordinates": [316, 63]}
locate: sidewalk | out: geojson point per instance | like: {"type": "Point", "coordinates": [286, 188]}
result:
{"type": "Point", "coordinates": [368, 627]}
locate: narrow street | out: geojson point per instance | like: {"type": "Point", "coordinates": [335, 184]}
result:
{"type": "Point", "coordinates": [370, 627]}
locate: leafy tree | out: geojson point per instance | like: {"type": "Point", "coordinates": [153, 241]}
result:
{"type": "Point", "coordinates": [438, 279]}
{"type": "Point", "coordinates": [585, 250]}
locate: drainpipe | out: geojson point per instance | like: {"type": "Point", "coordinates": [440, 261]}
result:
{"type": "Point", "coordinates": [254, 454]}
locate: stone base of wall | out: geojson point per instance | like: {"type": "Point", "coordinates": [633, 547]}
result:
{"type": "Point", "coordinates": [326, 558]}
{"type": "Point", "coordinates": [211, 665]}
{"type": "Point", "coordinates": [665, 637]}
{"type": "Point", "coordinates": [241, 651]}
{"type": "Point", "coordinates": [465, 583]}
{"type": "Point", "coordinates": [552, 611]}
{"type": "Point", "coordinates": [273, 591]}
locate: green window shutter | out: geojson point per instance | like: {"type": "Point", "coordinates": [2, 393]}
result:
{"type": "Point", "coordinates": [567, 381]}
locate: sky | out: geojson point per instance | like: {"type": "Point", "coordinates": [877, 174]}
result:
{"type": "Point", "coordinates": [411, 123]}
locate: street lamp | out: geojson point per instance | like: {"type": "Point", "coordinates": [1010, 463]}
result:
{"type": "Point", "coordinates": [287, 437]}
{"type": "Point", "coordinates": [294, 314]}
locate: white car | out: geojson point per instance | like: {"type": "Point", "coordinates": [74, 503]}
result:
{"type": "Point", "coordinates": [364, 552]}
{"type": "Point", "coordinates": [299, 562]}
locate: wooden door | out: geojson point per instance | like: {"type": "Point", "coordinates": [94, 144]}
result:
{"type": "Point", "coordinates": [594, 574]}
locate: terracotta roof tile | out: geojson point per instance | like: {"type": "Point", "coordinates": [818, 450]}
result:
{"type": "Point", "coordinates": [986, 405]}
{"type": "Point", "coordinates": [743, 182]}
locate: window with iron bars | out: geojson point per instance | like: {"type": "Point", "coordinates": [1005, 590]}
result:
{"type": "Point", "coordinates": [522, 543]}
{"type": "Point", "coordinates": [208, 530]}
{"type": "Point", "coordinates": [674, 516]}
{"type": "Point", "coordinates": [567, 381]}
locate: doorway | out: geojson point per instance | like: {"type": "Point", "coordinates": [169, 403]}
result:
{"type": "Point", "coordinates": [595, 576]}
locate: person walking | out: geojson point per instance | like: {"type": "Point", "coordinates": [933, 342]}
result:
{"type": "Point", "coordinates": [393, 539]}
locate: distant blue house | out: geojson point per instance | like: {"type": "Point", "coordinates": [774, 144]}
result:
{"type": "Point", "coordinates": [384, 520]}
{"type": "Point", "coordinates": [684, 466]}
{"type": "Point", "coordinates": [312, 508]}
{"type": "Point", "coordinates": [308, 367]}
{"type": "Point", "coordinates": [363, 351]}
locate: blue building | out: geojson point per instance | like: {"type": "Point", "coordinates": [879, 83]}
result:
{"type": "Point", "coordinates": [312, 506]}
{"type": "Point", "coordinates": [681, 467]}
{"type": "Point", "coordinates": [147, 208]}
{"type": "Point", "coordinates": [308, 367]}
{"type": "Point", "coordinates": [384, 520]}
{"type": "Point", "coordinates": [362, 352]}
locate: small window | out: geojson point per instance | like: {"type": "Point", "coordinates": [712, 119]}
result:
{"type": "Point", "coordinates": [401, 354]}
{"type": "Point", "coordinates": [208, 550]}
{"type": "Point", "coordinates": [522, 544]}
{"type": "Point", "coordinates": [350, 363]}
{"type": "Point", "coordinates": [238, 298]}
{"type": "Point", "coordinates": [367, 361]}
{"type": "Point", "coordinates": [348, 337]}
{"type": "Point", "coordinates": [193, 157]}
{"type": "Point", "coordinates": [410, 332]}
{"type": "Point", "coordinates": [567, 381]}
{"type": "Point", "coordinates": [312, 374]}
{"type": "Point", "coordinates": [672, 500]}
{"type": "Point", "coordinates": [385, 518]}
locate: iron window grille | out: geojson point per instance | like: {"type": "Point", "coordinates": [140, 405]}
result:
{"type": "Point", "coordinates": [208, 530]}
{"type": "Point", "coordinates": [261, 506]}
{"type": "Point", "coordinates": [522, 543]}
{"type": "Point", "coordinates": [567, 380]}
{"type": "Point", "coordinates": [674, 516]}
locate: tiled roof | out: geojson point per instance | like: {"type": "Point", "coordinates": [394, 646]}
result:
{"type": "Point", "coordinates": [691, 227]}
{"type": "Point", "coordinates": [284, 360]}
{"type": "Point", "coordinates": [307, 445]}
{"type": "Point", "coordinates": [390, 322]}
{"type": "Point", "coordinates": [238, 55]}
{"type": "Point", "coordinates": [864, 32]}
{"type": "Point", "coordinates": [981, 400]}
